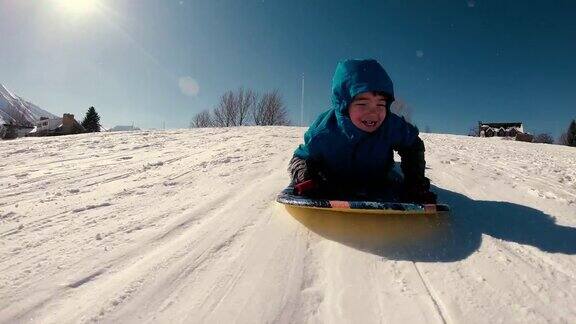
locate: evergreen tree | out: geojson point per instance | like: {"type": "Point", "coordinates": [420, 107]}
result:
{"type": "Point", "coordinates": [571, 134]}
{"type": "Point", "coordinates": [91, 121]}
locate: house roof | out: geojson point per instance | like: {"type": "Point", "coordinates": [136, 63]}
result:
{"type": "Point", "coordinates": [498, 125]}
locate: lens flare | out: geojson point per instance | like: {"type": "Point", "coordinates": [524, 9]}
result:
{"type": "Point", "coordinates": [78, 7]}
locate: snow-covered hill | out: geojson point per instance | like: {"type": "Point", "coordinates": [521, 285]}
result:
{"type": "Point", "coordinates": [19, 111]}
{"type": "Point", "coordinates": [182, 227]}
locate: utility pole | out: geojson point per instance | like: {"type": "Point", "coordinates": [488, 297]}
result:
{"type": "Point", "coordinates": [302, 104]}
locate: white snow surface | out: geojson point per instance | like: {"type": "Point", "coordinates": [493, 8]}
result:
{"type": "Point", "coordinates": [182, 226]}
{"type": "Point", "coordinates": [17, 110]}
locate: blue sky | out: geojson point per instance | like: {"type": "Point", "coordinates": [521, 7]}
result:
{"type": "Point", "coordinates": [453, 62]}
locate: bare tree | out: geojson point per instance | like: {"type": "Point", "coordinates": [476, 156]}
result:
{"type": "Point", "coordinates": [563, 139]}
{"type": "Point", "coordinates": [225, 112]}
{"type": "Point", "coordinates": [544, 138]}
{"type": "Point", "coordinates": [245, 100]}
{"type": "Point", "coordinates": [401, 108]}
{"type": "Point", "coordinates": [270, 110]}
{"type": "Point", "coordinates": [234, 108]}
{"type": "Point", "coordinates": [201, 119]}
{"type": "Point", "coordinates": [474, 131]}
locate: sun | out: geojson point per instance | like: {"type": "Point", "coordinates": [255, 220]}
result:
{"type": "Point", "coordinates": [78, 7]}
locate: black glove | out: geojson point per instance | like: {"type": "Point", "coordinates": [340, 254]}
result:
{"type": "Point", "coordinates": [307, 177]}
{"type": "Point", "coordinates": [419, 193]}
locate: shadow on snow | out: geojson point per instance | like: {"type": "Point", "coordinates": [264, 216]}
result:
{"type": "Point", "coordinates": [441, 238]}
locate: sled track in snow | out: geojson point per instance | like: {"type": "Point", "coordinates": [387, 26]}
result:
{"type": "Point", "coordinates": [431, 293]}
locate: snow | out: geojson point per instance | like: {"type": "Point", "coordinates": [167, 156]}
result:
{"type": "Point", "coordinates": [181, 226]}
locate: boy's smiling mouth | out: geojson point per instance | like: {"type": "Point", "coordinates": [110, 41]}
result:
{"type": "Point", "coordinates": [369, 123]}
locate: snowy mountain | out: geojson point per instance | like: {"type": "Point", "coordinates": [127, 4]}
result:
{"type": "Point", "coordinates": [181, 227]}
{"type": "Point", "coordinates": [19, 111]}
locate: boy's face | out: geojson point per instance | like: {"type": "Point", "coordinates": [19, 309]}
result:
{"type": "Point", "coordinates": [367, 111]}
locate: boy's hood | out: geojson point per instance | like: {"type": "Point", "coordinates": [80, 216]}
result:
{"type": "Point", "coordinates": [356, 76]}
{"type": "Point", "coordinates": [333, 131]}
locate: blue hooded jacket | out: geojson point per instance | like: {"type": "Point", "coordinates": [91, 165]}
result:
{"type": "Point", "coordinates": [344, 152]}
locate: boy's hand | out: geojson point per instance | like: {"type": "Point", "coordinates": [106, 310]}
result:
{"type": "Point", "coordinates": [307, 177]}
{"type": "Point", "coordinates": [419, 197]}
{"type": "Point", "coordinates": [419, 193]}
{"type": "Point", "coordinates": [298, 169]}
{"type": "Point", "coordinates": [426, 197]}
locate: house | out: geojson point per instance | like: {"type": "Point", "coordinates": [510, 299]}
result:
{"type": "Point", "coordinates": [511, 130]}
{"type": "Point", "coordinates": [66, 125]}
{"type": "Point", "coordinates": [45, 126]}
{"type": "Point", "coordinates": [499, 129]}
{"type": "Point", "coordinates": [70, 126]}
{"type": "Point", "coordinates": [523, 137]}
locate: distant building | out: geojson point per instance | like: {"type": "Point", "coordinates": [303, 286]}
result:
{"type": "Point", "coordinates": [120, 128]}
{"type": "Point", "coordinates": [66, 125]}
{"type": "Point", "coordinates": [512, 130]}
{"type": "Point", "coordinates": [70, 126]}
{"type": "Point", "coordinates": [499, 129]}
{"type": "Point", "coordinates": [523, 137]}
{"type": "Point", "coordinates": [45, 126]}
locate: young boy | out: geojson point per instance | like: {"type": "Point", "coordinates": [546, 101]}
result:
{"type": "Point", "coordinates": [348, 150]}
